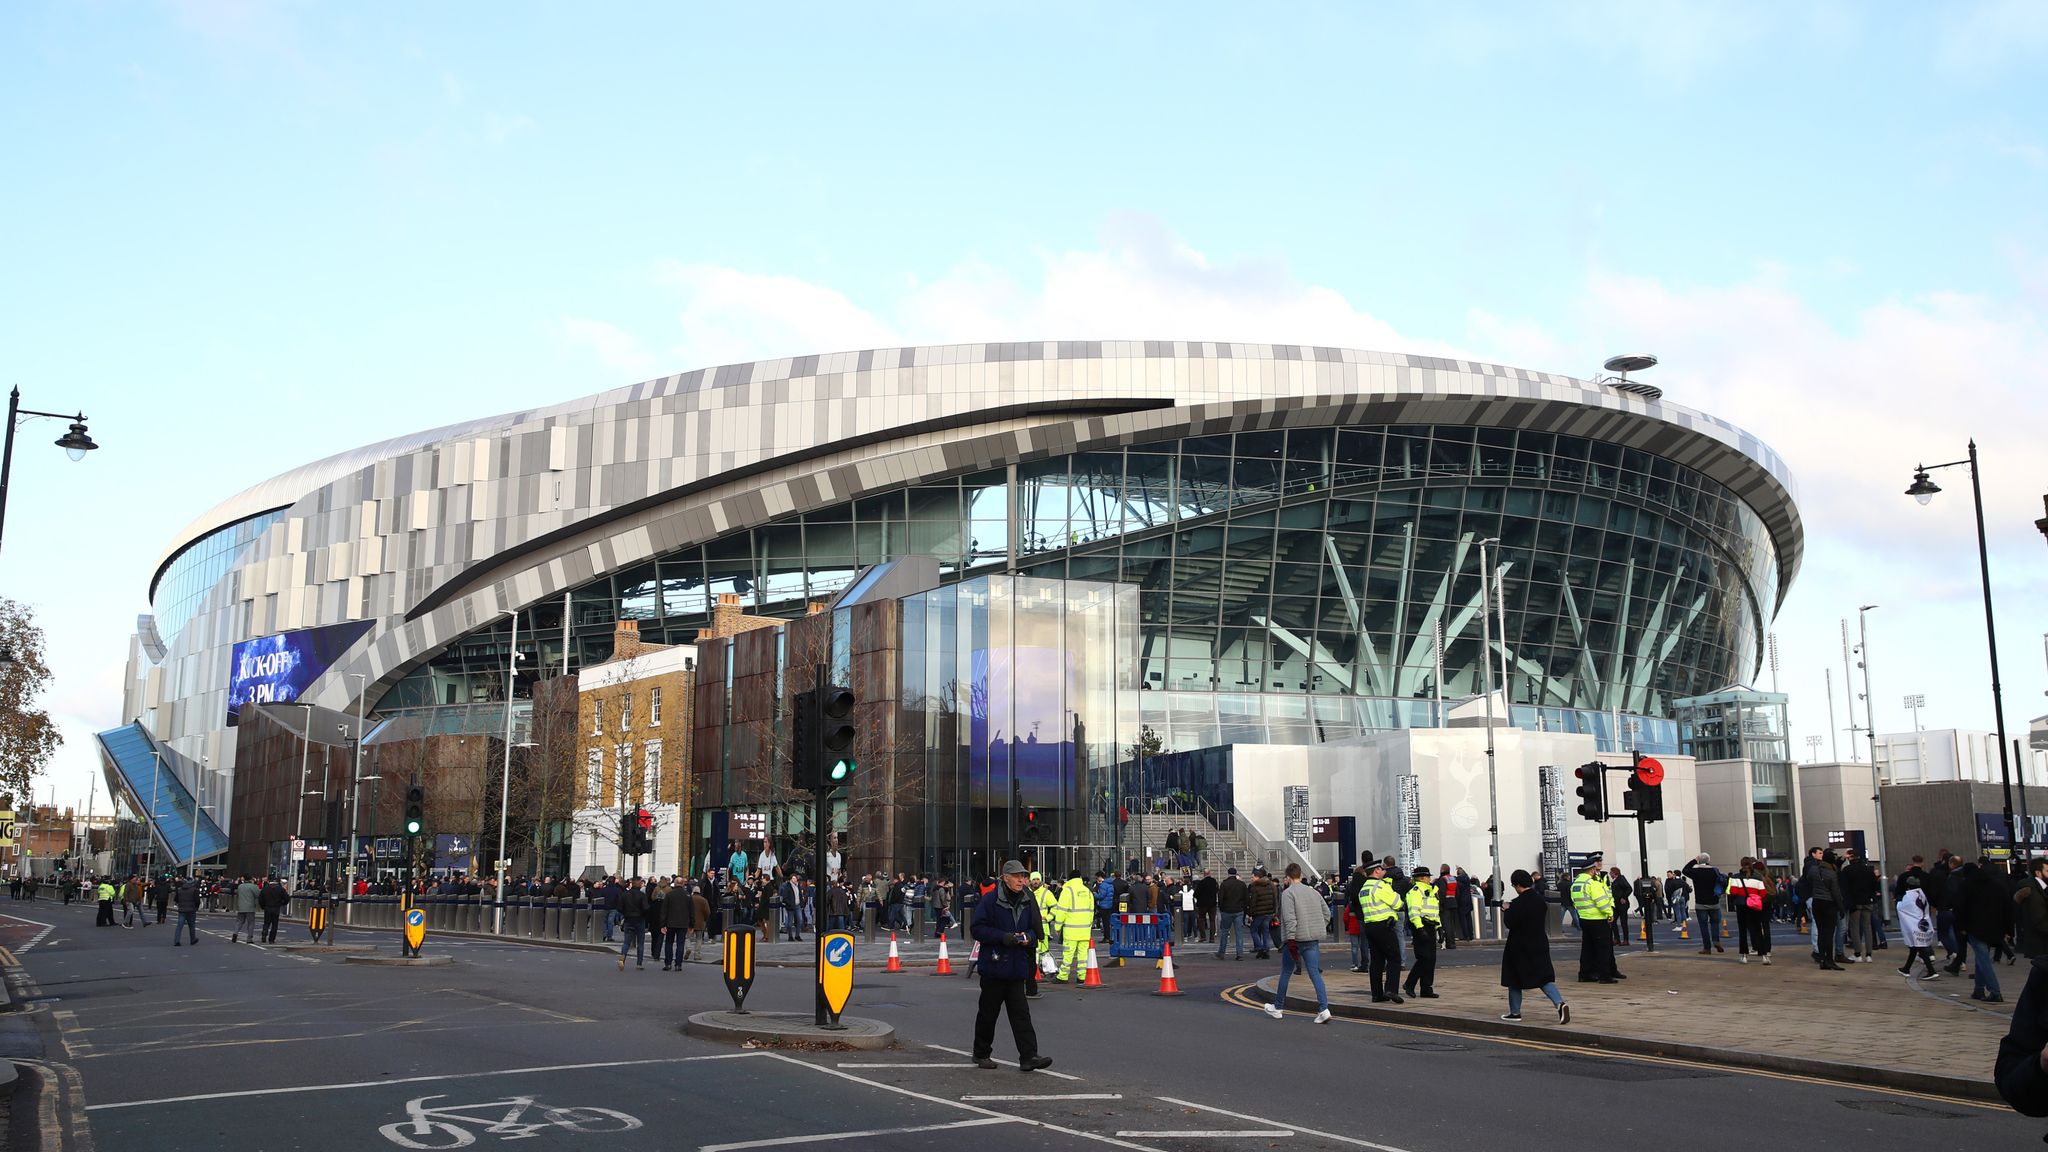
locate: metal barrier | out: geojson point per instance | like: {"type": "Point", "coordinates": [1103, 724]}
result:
{"type": "Point", "coordinates": [1140, 935]}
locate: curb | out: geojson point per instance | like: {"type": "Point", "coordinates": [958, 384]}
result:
{"type": "Point", "coordinates": [770, 1028]}
{"type": "Point", "coordinates": [430, 961]}
{"type": "Point", "coordinates": [1856, 1074]}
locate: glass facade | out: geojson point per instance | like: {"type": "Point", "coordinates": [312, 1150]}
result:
{"type": "Point", "coordinates": [1742, 724]}
{"type": "Point", "coordinates": [192, 573]}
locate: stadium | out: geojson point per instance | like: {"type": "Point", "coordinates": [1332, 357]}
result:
{"type": "Point", "coordinates": [1246, 544]}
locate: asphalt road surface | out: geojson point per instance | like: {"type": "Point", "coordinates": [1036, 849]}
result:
{"type": "Point", "coordinates": [234, 1046]}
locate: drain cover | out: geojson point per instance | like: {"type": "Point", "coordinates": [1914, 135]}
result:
{"type": "Point", "coordinates": [1900, 1108]}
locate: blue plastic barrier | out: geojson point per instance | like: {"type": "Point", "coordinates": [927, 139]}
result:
{"type": "Point", "coordinates": [1140, 935]}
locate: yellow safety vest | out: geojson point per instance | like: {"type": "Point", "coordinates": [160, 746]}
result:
{"type": "Point", "coordinates": [1422, 905]}
{"type": "Point", "coordinates": [1076, 905]}
{"type": "Point", "coordinates": [1593, 897]}
{"type": "Point", "coordinates": [1378, 902]}
{"type": "Point", "coordinates": [1046, 903]}
{"type": "Point", "coordinates": [106, 891]}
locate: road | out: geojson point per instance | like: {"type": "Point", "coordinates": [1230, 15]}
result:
{"type": "Point", "coordinates": [234, 1046]}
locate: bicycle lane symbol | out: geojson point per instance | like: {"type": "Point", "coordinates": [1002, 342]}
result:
{"type": "Point", "coordinates": [447, 1126]}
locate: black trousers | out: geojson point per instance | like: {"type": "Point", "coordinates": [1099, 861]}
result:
{"type": "Point", "coordinates": [1596, 950]}
{"type": "Point", "coordinates": [1423, 975]}
{"type": "Point", "coordinates": [1825, 916]}
{"type": "Point", "coordinates": [270, 916]}
{"type": "Point", "coordinates": [106, 916]}
{"type": "Point", "coordinates": [1385, 952]}
{"type": "Point", "coordinates": [996, 997]}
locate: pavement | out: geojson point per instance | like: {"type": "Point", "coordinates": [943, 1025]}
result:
{"type": "Point", "coordinates": [1866, 1024]}
{"type": "Point", "coordinates": [141, 1046]}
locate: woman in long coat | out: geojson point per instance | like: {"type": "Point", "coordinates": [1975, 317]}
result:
{"type": "Point", "coordinates": [1525, 962]}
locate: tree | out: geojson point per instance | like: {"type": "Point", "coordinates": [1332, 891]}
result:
{"type": "Point", "coordinates": [28, 737]}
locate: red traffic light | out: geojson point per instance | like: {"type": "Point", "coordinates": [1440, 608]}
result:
{"type": "Point", "coordinates": [1650, 771]}
{"type": "Point", "coordinates": [645, 817]}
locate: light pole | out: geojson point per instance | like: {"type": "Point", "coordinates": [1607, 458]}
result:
{"type": "Point", "coordinates": [1486, 686]}
{"type": "Point", "coordinates": [505, 780]}
{"type": "Point", "coordinates": [355, 788]}
{"type": "Point", "coordinates": [1923, 490]}
{"type": "Point", "coordinates": [191, 857]}
{"type": "Point", "coordinates": [305, 770]}
{"type": "Point", "coordinates": [75, 443]}
{"type": "Point", "coordinates": [156, 783]}
{"type": "Point", "coordinates": [1813, 749]}
{"type": "Point", "coordinates": [1870, 729]}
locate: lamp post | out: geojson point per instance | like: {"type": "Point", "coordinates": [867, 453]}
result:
{"type": "Point", "coordinates": [305, 769]}
{"type": "Point", "coordinates": [1870, 729]}
{"type": "Point", "coordinates": [505, 780]}
{"type": "Point", "coordinates": [1923, 490]}
{"type": "Point", "coordinates": [191, 861]}
{"type": "Point", "coordinates": [355, 789]}
{"type": "Point", "coordinates": [75, 443]}
{"type": "Point", "coordinates": [1486, 686]}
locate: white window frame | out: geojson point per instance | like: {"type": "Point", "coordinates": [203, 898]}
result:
{"type": "Point", "coordinates": [650, 772]}
{"type": "Point", "coordinates": [622, 758]}
{"type": "Point", "coordinates": [597, 717]}
{"type": "Point", "coordinates": [654, 707]}
{"type": "Point", "coordinates": [625, 712]}
{"type": "Point", "coordinates": [593, 779]}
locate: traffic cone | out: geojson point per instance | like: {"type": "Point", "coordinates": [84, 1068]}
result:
{"type": "Point", "coordinates": [1168, 986]}
{"type": "Point", "coordinates": [1646, 931]}
{"type": "Point", "coordinates": [1724, 929]}
{"type": "Point", "coordinates": [895, 961]}
{"type": "Point", "coordinates": [945, 967]}
{"type": "Point", "coordinates": [1685, 929]}
{"type": "Point", "coordinates": [1094, 978]}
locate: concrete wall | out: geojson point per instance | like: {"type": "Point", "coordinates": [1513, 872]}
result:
{"type": "Point", "coordinates": [1358, 779]}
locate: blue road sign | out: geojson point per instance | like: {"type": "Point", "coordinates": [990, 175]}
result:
{"type": "Point", "coordinates": [839, 953]}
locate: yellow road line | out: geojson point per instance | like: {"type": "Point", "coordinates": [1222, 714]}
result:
{"type": "Point", "coordinates": [1237, 997]}
{"type": "Point", "coordinates": [7, 959]}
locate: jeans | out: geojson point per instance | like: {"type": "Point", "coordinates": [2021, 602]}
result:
{"type": "Point", "coordinates": [1679, 911]}
{"type": "Point", "coordinates": [1187, 925]}
{"type": "Point", "coordinates": [187, 922]}
{"type": "Point", "coordinates": [1232, 925]}
{"type": "Point", "coordinates": [611, 923]}
{"type": "Point", "coordinates": [1945, 927]}
{"type": "Point", "coordinates": [1710, 926]}
{"type": "Point", "coordinates": [1261, 929]}
{"type": "Point", "coordinates": [1515, 998]}
{"type": "Point", "coordinates": [1358, 950]}
{"type": "Point", "coordinates": [634, 938]}
{"type": "Point", "coordinates": [1983, 974]}
{"type": "Point", "coordinates": [677, 951]}
{"type": "Point", "coordinates": [1312, 963]}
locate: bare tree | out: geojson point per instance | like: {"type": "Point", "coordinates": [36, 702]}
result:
{"type": "Point", "coordinates": [28, 737]}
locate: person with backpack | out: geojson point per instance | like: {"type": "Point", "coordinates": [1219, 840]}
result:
{"type": "Point", "coordinates": [1708, 888]}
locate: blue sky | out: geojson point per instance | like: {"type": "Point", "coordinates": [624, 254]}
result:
{"type": "Point", "coordinates": [246, 235]}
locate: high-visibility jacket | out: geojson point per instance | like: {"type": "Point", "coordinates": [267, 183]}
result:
{"type": "Point", "coordinates": [1592, 897]}
{"type": "Point", "coordinates": [1422, 905]}
{"type": "Point", "coordinates": [106, 891]}
{"type": "Point", "coordinates": [1047, 903]}
{"type": "Point", "coordinates": [1075, 908]}
{"type": "Point", "coordinates": [1378, 902]}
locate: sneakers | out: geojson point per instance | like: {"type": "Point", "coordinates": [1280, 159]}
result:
{"type": "Point", "coordinates": [1275, 1013]}
{"type": "Point", "coordinates": [1767, 957]}
{"type": "Point", "coordinates": [1745, 957]}
{"type": "Point", "coordinates": [1323, 1017]}
{"type": "Point", "coordinates": [1930, 975]}
{"type": "Point", "coordinates": [1564, 1013]}
{"type": "Point", "coordinates": [1512, 1017]}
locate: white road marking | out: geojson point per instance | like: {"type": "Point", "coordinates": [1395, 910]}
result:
{"type": "Point", "coordinates": [977, 1122]}
{"type": "Point", "coordinates": [1297, 1128]}
{"type": "Point", "coordinates": [1206, 1135]}
{"type": "Point", "coordinates": [420, 1080]}
{"type": "Point", "coordinates": [33, 940]}
{"type": "Point", "coordinates": [1053, 1096]}
{"type": "Point", "coordinates": [929, 1099]}
{"type": "Point", "coordinates": [1009, 1063]}
{"type": "Point", "coordinates": [906, 1065]}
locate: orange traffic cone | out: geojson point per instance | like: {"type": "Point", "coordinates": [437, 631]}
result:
{"type": "Point", "coordinates": [895, 961]}
{"type": "Point", "coordinates": [1685, 929]}
{"type": "Point", "coordinates": [945, 967]}
{"type": "Point", "coordinates": [1094, 978]}
{"type": "Point", "coordinates": [1168, 986]}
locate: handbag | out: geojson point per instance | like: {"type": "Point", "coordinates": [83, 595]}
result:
{"type": "Point", "coordinates": [1754, 901]}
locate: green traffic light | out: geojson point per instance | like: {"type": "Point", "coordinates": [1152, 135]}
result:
{"type": "Point", "coordinates": [841, 769]}
{"type": "Point", "coordinates": [412, 827]}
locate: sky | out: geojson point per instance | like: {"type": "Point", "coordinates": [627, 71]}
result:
{"type": "Point", "coordinates": [241, 236]}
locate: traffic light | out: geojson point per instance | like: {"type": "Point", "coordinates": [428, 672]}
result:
{"type": "Point", "coordinates": [1646, 789]}
{"type": "Point", "coordinates": [835, 734]}
{"type": "Point", "coordinates": [803, 742]}
{"type": "Point", "coordinates": [643, 823]}
{"type": "Point", "coordinates": [415, 811]}
{"type": "Point", "coordinates": [1034, 832]}
{"type": "Point", "coordinates": [1592, 790]}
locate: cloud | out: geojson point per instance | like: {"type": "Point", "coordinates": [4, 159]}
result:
{"type": "Point", "coordinates": [612, 346]}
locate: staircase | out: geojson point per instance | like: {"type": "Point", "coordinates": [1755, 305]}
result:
{"type": "Point", "coordinates": [1226, 849]}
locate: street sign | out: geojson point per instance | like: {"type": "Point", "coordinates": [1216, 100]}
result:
{"type": "Point", "coordinates": [415, 928]}
{"type": "Point", "coordinates": [1650, 771]}
{"type": "Point", "coordinates": [739, 966]}
{"type": "Point", "coordinates": [298, 850]}
{"type": "Point", "coordinates": [835, 970]}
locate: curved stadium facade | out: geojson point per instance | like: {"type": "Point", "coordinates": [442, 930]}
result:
{"type": "Point", "coordinates": [1293, 534]}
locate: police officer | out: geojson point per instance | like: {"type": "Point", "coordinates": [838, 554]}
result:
{"type": "Point", "coordinates": [1379, 909]}
{"type": "Point", "coordinates": [1074, 915]}
{"type": "Point", "coordinates": [105, 894]}
{"type": "Point", "coordinates": [1593, 899]}
{"type": "Point", "coordinates": [1424, 922]}
{"type": "Point", "coordinates": [1007, 927]}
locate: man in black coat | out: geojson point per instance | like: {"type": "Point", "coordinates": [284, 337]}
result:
{"type": "Point", "coordinates": [1007, 926]}
{"type": "Point", "coordinates": [1986, 915]}
{"type": "Point", "coordinates": [271, 901]}
{"type": "Point", "coordinates": [633, 923]}
{"type": "Point", "coordinates": [2021, 1070]}
{"type": "Point", "coordinates": [1860, 886]}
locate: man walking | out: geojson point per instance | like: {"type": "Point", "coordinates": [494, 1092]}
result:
{"type": "Point", "coordinates": [272, 900]}
{"type": "Point", "coordinates": [1425, 919]}
{"type": "Point", "coordinates": [1230, 897]}
{"type": "Point", "coordinates": [104, 893]}
{"type": "Point", "coordinates": [1708, 886]}
{"type": "Point", "coordinates": [1303, 916]}
{"type": "Point", "coordinates": [1593, 896]}
{"type": "Point", "coordinates": [1860, 886]}
{"type": "Point", "coordinates": [188, 913]}
{"type": "Point", "coordinates": [246, 904]}
{"type": "Point", "coordinates": [160, 895]}
{"type": "Point", "coordinates": [1073, 915]}
{"type": "Point", "coordinates": [678, 915]}
{"type": "Point", "coordinates": [1379, 909]}
{"type": "Point", "coordinates": [633, 924]}
{"type": "Point", "coordinates": [1007, 927]}
{"type": "Point", "coordinates": [1261, 902]}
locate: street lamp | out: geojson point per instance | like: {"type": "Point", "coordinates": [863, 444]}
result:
{"type": "Point", "coordinates": [505, 781]}
{"type": "Point", "coordinates": [75, 443]}
{"type": "Point", "coordinates": [1923, 490]}
{"type": "Point", "coordinates": [1870, 726]}
{"type": "Point", "coordinates": [192, 855]}
{"type": "Point", "coordinates": [305, 769]}
{"type": "Point", "coordinates": [1486, 686]}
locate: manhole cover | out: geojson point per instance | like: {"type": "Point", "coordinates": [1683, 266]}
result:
{"type": "Point", "coordinates": [1900, 1108]}
{"type": "Point", "coordinates": [1431, 1046]}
